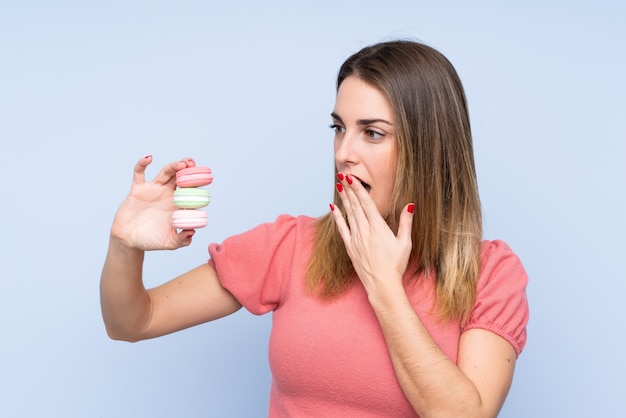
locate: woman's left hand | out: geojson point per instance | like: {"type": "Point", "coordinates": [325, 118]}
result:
{"type": "Point", "coordinates": [379, 257]}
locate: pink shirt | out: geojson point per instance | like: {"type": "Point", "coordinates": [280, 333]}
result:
{"type": "Point", "coordinates": [329, 358]}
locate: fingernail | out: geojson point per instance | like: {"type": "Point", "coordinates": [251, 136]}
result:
{"type": "Point", "coordinates": [339, 187]}
{"type": "Point", "coordinates": [147, 156]}
{"type": "Point", "coordinates": [332, 207]}
{"type": "Point", "coordinates": [349, 179]}
{"type": "Point", "coordinates": [340, 176]}
{"type": "Point", "coordinates": [189, 236]}
{"type": "Point", "coordinates": [411, 208]}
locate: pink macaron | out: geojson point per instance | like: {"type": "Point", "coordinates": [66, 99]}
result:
{"type": "Point", "coordinates": [194, 177]}
{"type": "Point", "coordinates": [189, 219]}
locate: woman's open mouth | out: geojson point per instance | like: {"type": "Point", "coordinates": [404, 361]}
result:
{"type": "Point", "coordinates": [365, 185]}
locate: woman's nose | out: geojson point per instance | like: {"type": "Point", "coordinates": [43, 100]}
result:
{"type": "Point", "coordinates": [346, 150]}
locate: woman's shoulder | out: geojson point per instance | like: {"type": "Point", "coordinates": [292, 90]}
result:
{"type": "Point", "coordinates": [494, 246]}
{"type": "Point", "coordinates": [254, 264]}
{"type": "Point", "coordinates": [501, 305]}
{"type": "Point", "coordinates": [282, 224]}
{"type": "Point", "coordinates": [298, 220]}
{"type": "Point", "coordinates": [287, 224]}
{"type": "Point", "coordinates": [500, 262]}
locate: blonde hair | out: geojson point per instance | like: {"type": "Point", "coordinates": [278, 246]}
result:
{"type": "Point", "coordinates": [435, 171]}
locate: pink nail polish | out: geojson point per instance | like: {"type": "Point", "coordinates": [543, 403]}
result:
{"type": "Point", "coordinates": [340, 176]}
{"type": "Point", "coordinates": [339, 187]}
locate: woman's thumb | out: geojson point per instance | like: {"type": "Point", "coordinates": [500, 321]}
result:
{"type": "Point", "coordinates": [406, 222]}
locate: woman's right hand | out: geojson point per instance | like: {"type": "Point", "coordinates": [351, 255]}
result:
{"type": "Point", "coordinates": [143, 220]}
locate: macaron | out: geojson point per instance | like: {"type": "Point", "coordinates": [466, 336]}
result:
{"type": "Point", "coordinates": [189, 219]}
{"type": "Point", "coordinates": [194, 177]}
{"type": "Point", "coordinates": [191, 198]}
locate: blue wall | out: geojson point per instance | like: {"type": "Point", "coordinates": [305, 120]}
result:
{"type": "Point", "coordinates": [247, 88]}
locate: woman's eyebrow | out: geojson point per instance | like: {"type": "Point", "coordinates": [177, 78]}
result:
{"type": "Point", "coordinates": [370, 121]}
{"type": "Point", "coordinates": [361, 121]}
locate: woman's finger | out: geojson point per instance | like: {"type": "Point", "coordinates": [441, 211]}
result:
{"type": "Point", "coordinates": [168, 173]}
{"type": "Point", "coordinates": [361, 199]}
{"type": "Point", "coordinates": [139, 173]}
{"type": "Point", "coordinates": [342, 227]}
{"type": "Point", "coordinates": [183, 238]}
{"type": "Point", "coordinates": [360, 209]}
{"type": "Point", "coordinates": [405, 224]}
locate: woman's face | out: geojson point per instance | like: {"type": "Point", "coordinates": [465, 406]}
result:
{"type": "Point", "coordinates": [365, 139]}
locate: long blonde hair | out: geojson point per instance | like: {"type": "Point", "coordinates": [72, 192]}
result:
{"type": "Point", "coordinates": [435, 171]}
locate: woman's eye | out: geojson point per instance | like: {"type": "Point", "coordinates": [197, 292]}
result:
{"type": "Point", "coordinates": [373, 134]}
{"type": "Point", "coordinates": [337, 128]}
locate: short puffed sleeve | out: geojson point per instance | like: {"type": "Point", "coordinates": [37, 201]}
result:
{"type": "Point", "coordinates": [253, 265]}
{"type": "Point", "coordinates": [501, 304]}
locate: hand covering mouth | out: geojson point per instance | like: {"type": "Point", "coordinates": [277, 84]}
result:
{"type": "Point", "coordinates": [365, 185]}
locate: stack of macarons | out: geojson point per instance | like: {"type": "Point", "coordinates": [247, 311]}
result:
{"type": "Point", "coordinates": [189, 197]}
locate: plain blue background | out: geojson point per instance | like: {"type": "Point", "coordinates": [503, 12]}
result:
{"type": "Point", "coordinates": [87, 88]}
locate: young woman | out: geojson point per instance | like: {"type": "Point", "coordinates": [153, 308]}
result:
{"type": "Point", "coordinates": [391, 304]}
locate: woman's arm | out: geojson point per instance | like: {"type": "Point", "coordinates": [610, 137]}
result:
{"type": "Point", "coordinates": [432, 383]}
{"type": "Point", "coordinates": [142, 223]}
{"type": "Point", "coordinates": [132, 313]}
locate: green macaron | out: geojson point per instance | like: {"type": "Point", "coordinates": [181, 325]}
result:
{"type": "Point", "coordinates": [191, 197]}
